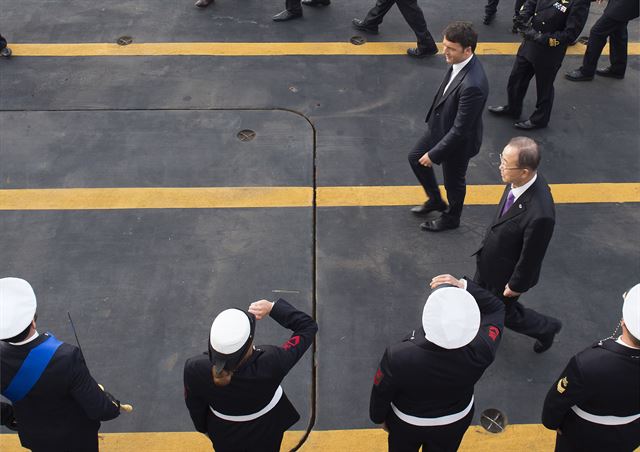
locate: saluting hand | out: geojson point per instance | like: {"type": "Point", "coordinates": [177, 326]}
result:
{"type": "Point", "coordinates": [446, 279]}
{"type": "Point", "coordinates": [425, 160]}
{"type": "Point", "coordinates": [261, 308]}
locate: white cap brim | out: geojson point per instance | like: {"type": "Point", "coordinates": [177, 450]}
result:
{"type": "Point", "coordinates": [17, 306]}
{"type": "Point", "coordinates": [631, 311]}
{"type": "Point", "coordinates": [451, 317]}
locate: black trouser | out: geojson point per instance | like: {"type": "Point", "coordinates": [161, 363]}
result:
{"type": "Point", "coordinates": [266, 444]}
{"type": "Point", "coordinates": [521, 74]}
{"type": "Point", "coordinates": [404, 437]}
{"type": "Point", "coordinates": [454, 172]}
{"type": "Point", "coordinates": [518, 318]}
{"type": "Point", "coordinates": [411, 12]}
{"type": "Point", "coordinates": [618, 37]}
{"type": "Point", "coordinates": [492, 7]}
{"type": "Point", "coordinates": [293, 6]}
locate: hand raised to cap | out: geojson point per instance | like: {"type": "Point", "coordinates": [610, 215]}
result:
{"type": "Point", "coordinates": [445, 279]}
{"type": "Point", "coordinates": [261, 308]}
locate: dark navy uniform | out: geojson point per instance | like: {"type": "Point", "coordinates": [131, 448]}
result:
{"type": "Point", "coordinates": [555, 25]}
{"type": "Point", "coordinates": [612, 24]}
{"type": "Point", "coordinates": [602, 381]}
{"type": "Point", "coordinates": [252, 388]}
{"type": "Point", "coordinates": [63, 410]}
{"type": "Point", "coordinates": [424, 380]}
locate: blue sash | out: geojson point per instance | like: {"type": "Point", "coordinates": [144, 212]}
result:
{"type": "Point", "coordinates": [32, 368]}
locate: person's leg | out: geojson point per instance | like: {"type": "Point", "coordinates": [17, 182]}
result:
{"type": "Point", "coordinates": [545, 76]}
{"type": "Point", "coordinates": [527, 321]}
{"type": "Point", "coordinates": [603, 27]}
{"type": "Point", "coordinates": [491, 8]}
{"type": "Point", "coordinates": [455, 182]}
{"type": "Point", "coordinates": [402, 437]}
{"type": "Point", "coordinates": [618, 40]}
{"type": "Point", "coordinates": [414, 16]}
{"type": "Point", "coordinates": [446, 438]}
{"type": "Point", "coordinates": [425, 175]}
{"type": "Point", "coordinates": [293, 6]}
{"type": "Point", "coordinates": [376, 14]}
{"type": "Point", "coordinates": [518, 83]}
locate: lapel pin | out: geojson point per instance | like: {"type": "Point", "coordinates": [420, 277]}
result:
{"type": "Point", "coordinates": [519, 206]}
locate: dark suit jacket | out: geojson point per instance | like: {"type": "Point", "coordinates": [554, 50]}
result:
{"type": "Point", "coordinates": [64, 408]}
{"type": "Point", "coordinates": [515, 244]}
{"type": "Point", "coordinates": [454, 121]}
{"type": "Point", "coordinates": [622, 10]}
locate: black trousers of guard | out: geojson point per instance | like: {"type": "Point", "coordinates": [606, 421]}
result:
{"type": "Point", "coordinates": [454, 172]}
{"type": "Point", "coordinates": [521, 74]}
{"type": "Point", "coordinates": [492, 7]}
{"type": "Point", "coordinates": [294, 6]}
{"type": "Point", "coordinates": [411, 12]}
{"type": "Point", "coordinates": [266, 444]}
{"type": "Point", "coordinates": [404, 437]}
{"type": "Point", "coordinates": [517, 317]}
{"type": "Point", "coordinates": [618, 36]}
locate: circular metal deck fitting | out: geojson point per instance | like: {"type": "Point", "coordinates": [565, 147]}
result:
{"type": "Point", "coordinates": [124, 40]}
{"type": "Point", "coordinates": [358, 40]}
{"type": "Point", "coordinates": [493, 421]}
{"type": "Point", "coordinates": [246, 135]}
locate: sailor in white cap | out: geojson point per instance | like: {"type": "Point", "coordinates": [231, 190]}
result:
{"type": "Point", "coordinates": [423, 389]}
{"type": "Point", "coordinates": [55, 403]}
{"type": "Point", "coordinates": [595, 403]}
{"type": "Point", "coordinates": [233, 392]}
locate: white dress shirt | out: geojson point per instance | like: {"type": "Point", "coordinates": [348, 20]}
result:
{"type": "Point", "coordinates": [518, 191]}
{"type": "Point", "coordinates": [455, 71]}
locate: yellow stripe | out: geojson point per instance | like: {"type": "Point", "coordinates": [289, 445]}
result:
{"type": "Point", "coordinates": [516, 438]}
{"type": "Point", "coordinates": [256, 49]}
{"type": "Point", "coordinates": [252, 197]}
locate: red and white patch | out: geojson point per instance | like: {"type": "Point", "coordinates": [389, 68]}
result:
{"type": "Point", "coordinates": [494, 332]}
{"type": "Point", "coordinates": [293, 342]}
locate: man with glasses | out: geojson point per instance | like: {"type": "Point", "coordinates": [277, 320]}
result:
{"type": "Point", "coordinates": [510, 257]}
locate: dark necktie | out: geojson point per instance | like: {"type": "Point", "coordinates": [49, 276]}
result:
{"type": "Point", "coordinates": [510, 199]}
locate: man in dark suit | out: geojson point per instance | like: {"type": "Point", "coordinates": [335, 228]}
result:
{"type": "Point", "coordinates": [509, 260]}
{"type": "Point", "coordinates": [552, 26]}
{"type": "Point", "coordinates": [454, 128]}
{"type": "Point", "coordinates": [56, 404]}
{"type": "Point", "coordinates": [612, 24]}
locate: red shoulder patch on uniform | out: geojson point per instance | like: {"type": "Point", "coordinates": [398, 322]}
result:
{"type": "Point", "coordinates": [293, 342]}
{"type": "Point", "coordinates": [378, 377]}
{"type": "Point", "coordinates": [494, 332]}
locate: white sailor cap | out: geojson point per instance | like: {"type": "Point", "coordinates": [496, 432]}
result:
{"type": "Point", "coordinates": [451, 317]}
{"type": "Point", "coordinates": [230, 336]}
{"type": "Point", "coordinates": [631, 311]}
{"type": "Point", "coordinates": [17, 306]}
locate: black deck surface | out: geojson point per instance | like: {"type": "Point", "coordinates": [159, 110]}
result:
{"type": "Point", "coordinates": [143, 285]}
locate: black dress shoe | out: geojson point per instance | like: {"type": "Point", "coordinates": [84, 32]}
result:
{"type": "Point", "coordinates": [606, 72]}
{"type": "Point", "coordinates": [503, 110]}
{"type": "Point", "coordinates": [421, 52]}
{"type": "Point", "coordinates": [440, 224]}
{"type": "Point", "coordinates": [286, 15]}
{"type": "Point", "coordinates": [545, 342]}
{"type": "Point", "coordinates": [528, 125]}
{"type": "Point", "coordinates": [360, 25]}
{"type": "Point", "coordinates": [203, 3]}
{"type": "Point", "coordinates": [488, 18]}
{"type": "Point", "coordinates": [6, 52]}
{"type": "Point", "coordinates": [316, 2]}
{"type": "Point", "coordinates": [578, 76]}
{"type": "Point", "coordinates": [428, 207]}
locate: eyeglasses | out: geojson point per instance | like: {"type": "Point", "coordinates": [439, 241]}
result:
{"type": "Point", "coordinates": [503, 162]}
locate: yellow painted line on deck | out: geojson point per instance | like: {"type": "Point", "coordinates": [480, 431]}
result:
{"type": "Point", "coordinates": [256, 49]}
{"type": "Point", "coordinates": [516, 438]}
{"type": "Point", "coordinates": [266, 197]}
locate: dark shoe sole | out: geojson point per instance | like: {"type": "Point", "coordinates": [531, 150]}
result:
{"type": "Point", "coordinates": [609, 75]}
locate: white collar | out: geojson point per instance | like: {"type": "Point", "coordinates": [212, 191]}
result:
{"type": "Point", "coordinates": [458, 66]}
{"type": "Point", "coordinates": [621, 342]}
{"type": "Point", "coordinates": [26, 341]}
{"type": "Point", "coordinates": [519, 191]}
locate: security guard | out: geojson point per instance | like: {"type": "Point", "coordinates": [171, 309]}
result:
{"type": "Point", "coordinates": [423, 390]}
{"type": "Point", "coordinates": [233, 393]}
{"type": "Point", "coordinates": [56, 404]}
{"type": "Point", "coordinates": [595, 403]}
{"type": "Point", "coordinates": [551, 26]}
